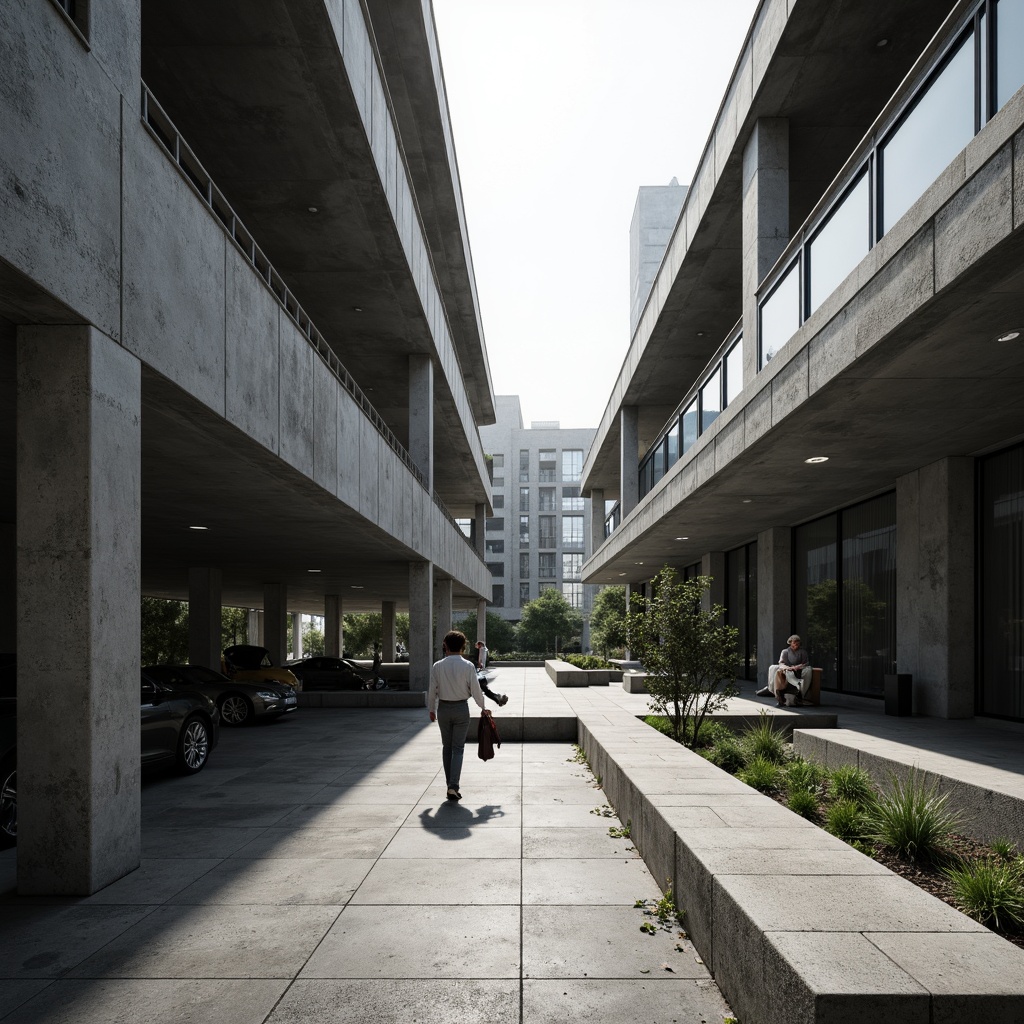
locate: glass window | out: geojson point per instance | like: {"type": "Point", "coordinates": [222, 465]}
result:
{"type": "Point", "coordinates": [524, 499]}
{"type": "Point", "coordinates": [572, 464]}
{"type": "Point", "coordinates": [499, 501]}
{"type": "Point", "coordinates": [524, 565]}
{"type": "Point", "coordinates": [572, 531]}
{"type": "Point", "coordinates": [494, 547]}
{"type": "Point", "coordinates": [524, 594]}
{"type": "Point", "coordinates": [711, 400]}
{"type": "Point", "coordinates": [572, 567]}
{"type": "Point", "coordinates": [780, 315]}
{"type": "Point", "coordinates": [546, 462]}
{"type": "Point", "coordinates": [498, 595]}
{"type": "Point", "coordinates": [547, 531]}
{"type": "Point", "coordinates": [546, 565]}
{"type": "Point", "coordinates": [672, 446]}
{"type": "Point", "coordinates": [815, 586]}
{"type": "Point", "coordinates": [498, 481]}
{"type": "Point", "coordinates": [741, 605]}
{"type": "Point", "coordinates": [499, 461]}
{"type": "Point", "coordinates": [524, 465]}
{"type": "Point", "coordinates": [839, 244]}
{"type": "Point", "coordinates": [497, 568]}
{"type": "Point", "coordinates": [938, 125]}
{"type": "Point", "coordinates": [548, 586]}
{"type": "Point", "coordinates": [571, 500]}
{"type": "Point", "coordinates": [547, 499]}
{"type": "Point", "coordinates": [690, 426]}
{"type": "Point", "coordinates": [657, 461]}
{"type": "Point", "coordinates": [573, 593]}
{"type": "Point", "coordinates": [524, 531]}
{"type": "Point", "coordinates": [1009, 49]}
{"type": "Point", "coordinates": [733, 364]}
{"type": "Point", "coordinates": [465, 525]}
{"type": "Point", "coordinates": [496, 525]}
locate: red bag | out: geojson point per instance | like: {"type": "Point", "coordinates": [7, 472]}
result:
{"type": "Point", "coordinates": [487, 737]}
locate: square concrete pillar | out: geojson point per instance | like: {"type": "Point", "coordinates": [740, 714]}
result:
{"type": "Point", "coordinates": [8, 587]}
{"type": "Point", "coordinates": [421, 631]}
{"type": "Point", "coordinates": [78, 570]}
{"type": "Point", "coordinates": [596, 519]}
{"type": "Point", "coordinates": [297, 635]}
{"type": "Point", "coordinates": [629, 459]}
{"type": "Point", "coordinates": [421, 416]}
{"type": "Point", "coordinates": [334, 640]}
{"type": "Point", "coordinates": [774, 593]}
{"type": "Point", "coordinates": [389, 637]}
{"type": "Point", "coordinates": [275, 621]}
{"type": "Point", "coordinates": [479, 525]}
{"type": "Point", "coordinates": [765, 220]}
{"type": "Point", "coordinates": [442, 613]}
{"type": "Point", "coordinates": [204, 617]}
{"type": "Point", "coordinates": [935, 586]}
{"type": "Point", "coordinates": [254, 629]}
{"type": "Point", "coordinates": [481, 620]}
{"type": "Point", "coordinates": [713, 564]}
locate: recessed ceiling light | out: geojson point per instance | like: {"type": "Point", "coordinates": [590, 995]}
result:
{"type": "Point", "coordinates": [747, 501]}
{"type": "Point", "coordinates": [355, 586]}
{"type": "Point", "coordinates": [638, 563]}
{"type": "Point", "coordinates": [682, 538]}
{"type": "Point", "coordinates": [815, 459]}
{"type": "Point", "coordinates": [357, 309]}
{"type": "Point", "coordinates": [622, 574]}
{"type": "Point", "coordinates": [700, 334]}
{"type": "Point", "coordinates": [198, 527]}
{"type": "Point", "coordinates": [1010, 335]}
{"type": "Point", "coordinates": [881, 43]}
{"type": "Point", "coordinates": [314, 570]}
{"type": "Point", "coordinates": [312, 209]}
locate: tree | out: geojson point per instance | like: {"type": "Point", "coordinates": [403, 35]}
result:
{"type": "Point", "coordinates": [361, 630]}
{"type": "Point", "coordinates": [546, 619]}
{"type": "Point", "coordinates": [234, 626]}
{"type": "Point", "coordinates": [608, 620]}
{"type": "Point", "coordinates": [501, 634]}
{"type": "Point", "coordinates": [689, 654]}
{"type": "Point", "coordinates": [312, 641]}
{"type": "Point", "coordinates": [164, 631]}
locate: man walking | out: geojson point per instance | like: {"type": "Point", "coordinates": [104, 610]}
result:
{"type": "Point", "coordinates": [452, 682]}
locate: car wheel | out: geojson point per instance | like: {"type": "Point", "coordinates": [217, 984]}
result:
{"type": "Point", "coordinates": [235, 710]}
{"type": "Point", "coordinates": [8, 804]}
{"type": "Point", "coordinates": [193, 745]}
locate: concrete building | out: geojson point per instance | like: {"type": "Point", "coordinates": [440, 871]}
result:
{"type": "Point", "coordinates": [654, 216]}
{"type": "Point", "coordinates": [541, 532]}
{"type": "Point", "coordinates": [821, 405]}
{"type": "Point", "coordinates": [237, 320]}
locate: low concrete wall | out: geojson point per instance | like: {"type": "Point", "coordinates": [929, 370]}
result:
{"type": "Point", "coordinates": [634, 682]}
{"type": "Point", "coordinates": [834, 937]}
{"type": "Point", "coordinates": [564, 674]}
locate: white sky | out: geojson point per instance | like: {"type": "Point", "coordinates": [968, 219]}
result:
{"type": "Point", "coordinates": [561, 110]}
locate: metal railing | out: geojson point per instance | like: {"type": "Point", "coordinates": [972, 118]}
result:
{"type": "Point", "coordinates": [162, 128]}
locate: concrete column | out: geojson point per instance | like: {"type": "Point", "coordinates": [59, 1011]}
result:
{"type": "Point", "coordinates": [253, 628]}
{"type": "Point", "coordinates": [442, 612]}
{"type": "Point", "coordinates": [8, 587]}
{"type": "Point", "coordinates": [479, 524]}
{"type": "Point", "coordinates": [275, 620]}
{"type": "Point", "coordinates": [765, 219]}
{"type": "Point", "coordinates": [389, 640]}
{"type": "Point", "coordinates": [712, 564]}
{"type": "Point", "coordinates": [596, 519]}
{"type": "Point", "coordinates": [204, 601]}
{"type": "Point", "coordinates": [78, 586]}
{"type": "Point", "coordinates": [334, 641]}
{"type": "Point", "coordinates": [935, 586]}
{"type": "Point", "coordinates": [297, 634]}
{"type": "Point", "coordinates": [421, 631]}
{"type": "Point", "coordinates": [774, 594]}
{"type": "Point", "coordinates": [421, 415]}
{"type": "Point", "coordinates": [629, 456]}
{"type": "Point", "coordinates": [481, 619]}
{"type": "Point", "coordinates": [629, 593]}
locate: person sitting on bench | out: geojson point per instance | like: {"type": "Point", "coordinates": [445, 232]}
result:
{"type": "Point", "coordinates": [793, 673]}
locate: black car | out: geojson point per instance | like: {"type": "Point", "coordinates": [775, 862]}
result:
{"type": "Point", "coordinates": [239, 703]}
{"type": "Point", "coordinates": [322, 673]}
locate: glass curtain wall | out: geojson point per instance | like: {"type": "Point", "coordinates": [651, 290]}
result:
{"type": "Point", "coordinates": [741, 605]}
{"type": "Point", "coordinates": [844, 585]}
{"type": "Point", "coordinates": [1001, 585]}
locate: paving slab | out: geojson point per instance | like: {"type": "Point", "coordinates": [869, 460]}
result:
{"type": "Point", "coordinates": [317, 843]}
{"type": "Point", "coordinates": [597, 881]}
{"type": "Point", "coordinates": [441, 880]}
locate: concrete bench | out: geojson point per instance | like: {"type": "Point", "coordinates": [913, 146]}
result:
{"type": "Point", "coordinates": [634, 682]}
{"type": "Point", "coordinates": [837, 937]}
{"type": "Point", "coordinates": [564, 674]}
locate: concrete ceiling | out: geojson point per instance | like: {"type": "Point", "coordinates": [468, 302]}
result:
{"type": "Point", "coordinates": [828, 115]}
{"type": "Point", "coordinates": [258, 89]}
{"type": "Point", "coordinates": [939, 386]}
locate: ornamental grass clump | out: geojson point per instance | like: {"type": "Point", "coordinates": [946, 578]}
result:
{"type": "Point", "coordinates": [845, 820]}
{"type": "Point", "coordinates": [991, 890]}
{"type": "Point", "coordinates": [804, 776]}
{"type": "Point", "coordinates": [804, 803]}
{"type": "Point", "coordinates": [763, 741]}
{"type": "Point", "coordinates": [762, 774]}
{"type": "Point", "coordinates": [912, 819]}
{"type": "Point", "coordinates": [728, 754]}
{"type": "Point", "coordinates": [848, 782]}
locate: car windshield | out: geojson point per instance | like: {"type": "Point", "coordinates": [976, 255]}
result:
{"type": "Point", "coordinates": [202, 674]}
{"type": "Point", "coordinates": [246, 657]}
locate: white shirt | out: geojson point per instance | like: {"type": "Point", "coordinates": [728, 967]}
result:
{"type": "Point", "coordinates": [453, 678]}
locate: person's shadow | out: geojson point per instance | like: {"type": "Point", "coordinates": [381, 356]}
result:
{"type": "Point", "coordinates": [453, 820]}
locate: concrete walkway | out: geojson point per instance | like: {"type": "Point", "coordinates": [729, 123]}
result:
{"type": "Point", "coordinates": [314, 872]}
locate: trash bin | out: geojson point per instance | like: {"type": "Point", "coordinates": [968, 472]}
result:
{"type": "Point", "coordinates": [899, 698]}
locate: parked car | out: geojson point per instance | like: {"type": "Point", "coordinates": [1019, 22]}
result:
{"type": "Point", "coordinates": [239, 703]}
{"type": "Point", "coordinates": [249, 663]}
{"type": "Point", "coordinates": [179, 726]}
{"type": "Point", "coordinates": [322, 673]}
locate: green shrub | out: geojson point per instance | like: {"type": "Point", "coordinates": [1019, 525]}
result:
{"type": "Point", "coordinates": [762, 774]}
{"type": "Point", "coordinates": [804, 776]}
{"type": "Point", "coordinates": [660, 722]}
{"type": "Point", "coordinates": [848, 782]}
{"type": "Point", "coordinates": [803, 802]}
{"type": "Point", "coordinates": [763, 741]}
{"type": "Point", "coordinates": [912, 819]}
{"type": "Point", "coordinates": [1003, 849]}
{"type": "Point", "coordinates": [588, 661]}
{"type": "Point", "coordinates": [729, 754]}
{"type": "Point", "coordinates": [991, 891]}
{"type": "Point", "coordinates": [845, 820]}
{"type": "Point", "coordinates": [710, 732]}
{"type": "Point", "coordinates": [715, 732]}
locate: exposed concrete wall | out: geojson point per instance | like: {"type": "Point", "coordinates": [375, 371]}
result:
{"type": "Point", "coordinates": [421, 415]}
{"type": "Point", "coordinates": [79, 553]}
{"type": "Point", "coordinates": [712, 564]}
{"type": "Point", "coordinates": [629, 453]}
{"type": "Point", "coordinates": [935, 577]}
{"type": "Point", "coordinates": [654, 218]}
{"type": "Point", "coordinates": [774, 593]}
{"type": "Point", "coordinates": [8, 588]}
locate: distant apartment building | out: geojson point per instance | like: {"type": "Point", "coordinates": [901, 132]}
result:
{"type": "Point", "coordinates": [540, 533]}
